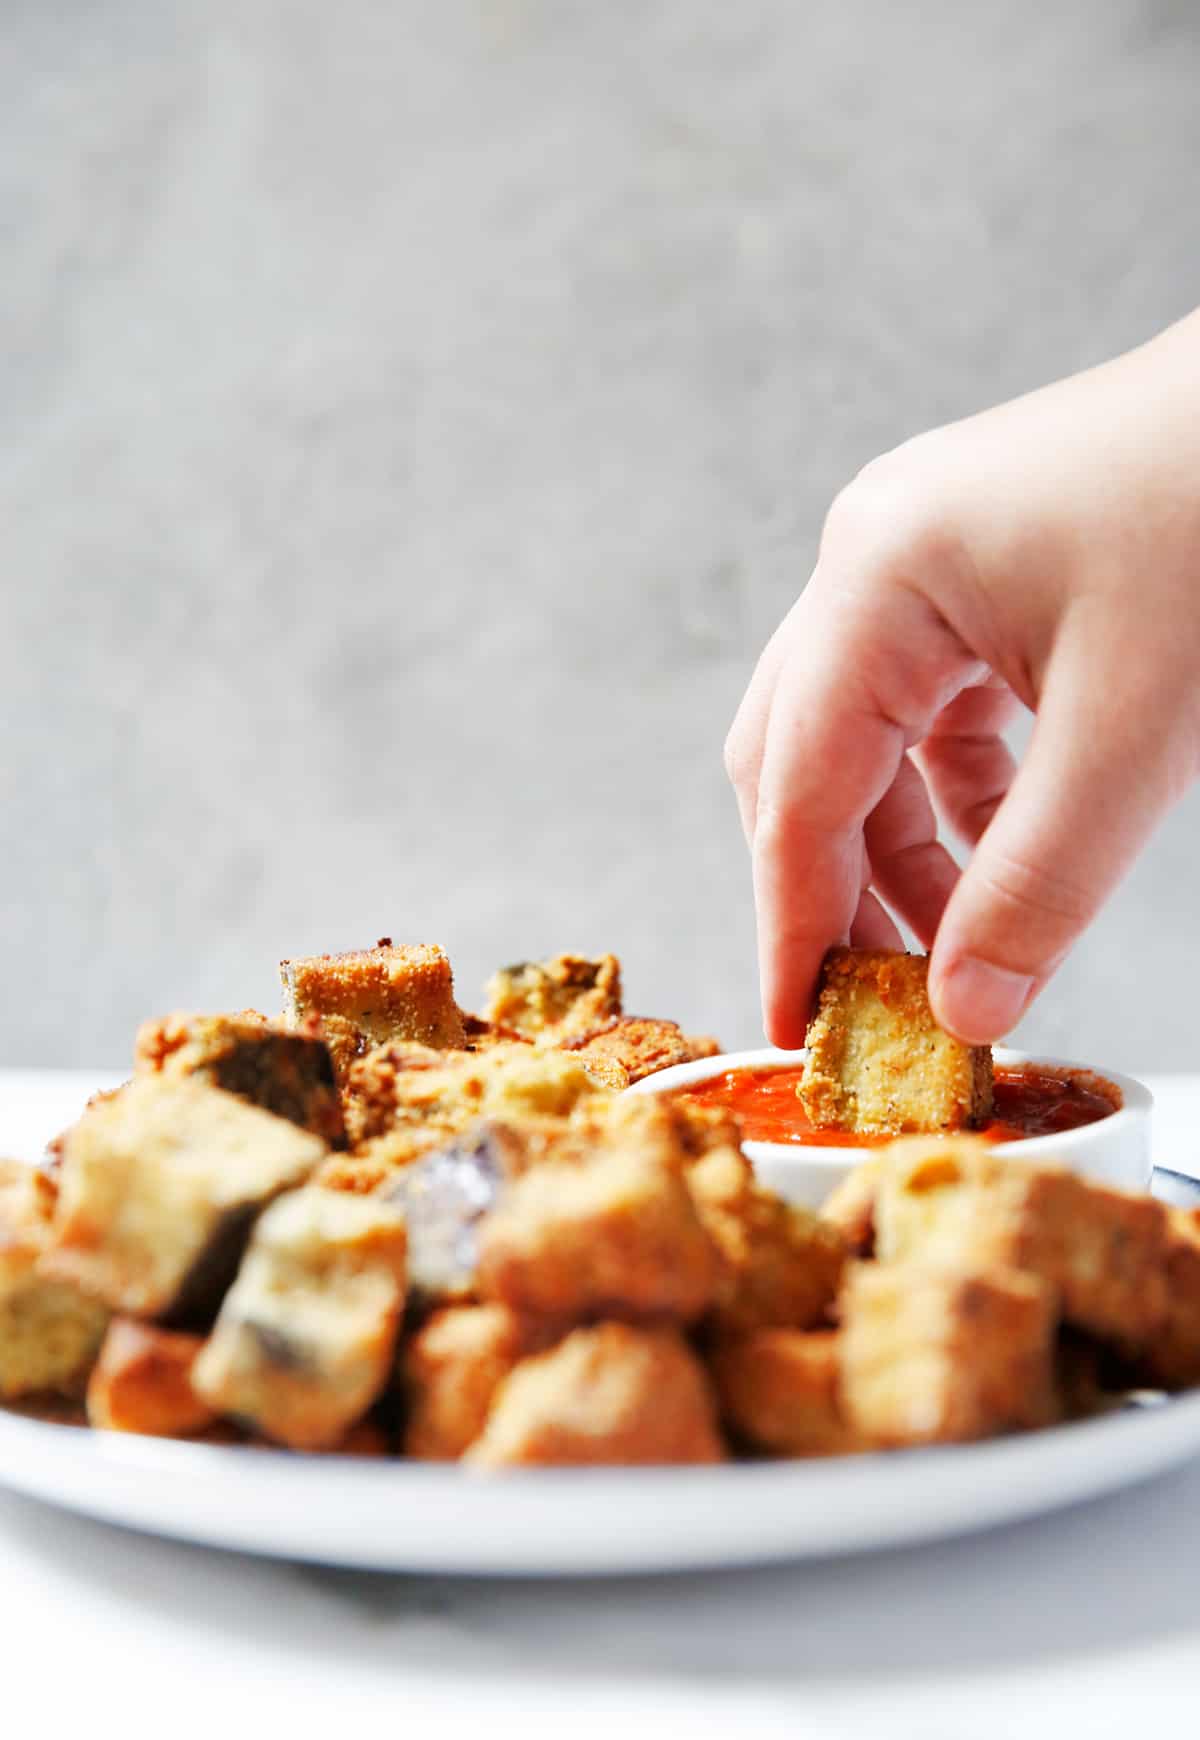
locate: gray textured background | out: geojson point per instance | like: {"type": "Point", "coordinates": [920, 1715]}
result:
{"type": "Point", "coordinates": [414, 417]}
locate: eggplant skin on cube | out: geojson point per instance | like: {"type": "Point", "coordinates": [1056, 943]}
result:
{"type": "Point", "coordinates": [290, 1074]}
{"type": "Point", "coordinates": [159, 1187]}
{"type": "Point", "coordinates": [305, 1341]}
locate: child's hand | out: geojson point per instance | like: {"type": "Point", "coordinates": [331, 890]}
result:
{"type": "Point", "coordinates": [1049, 551]}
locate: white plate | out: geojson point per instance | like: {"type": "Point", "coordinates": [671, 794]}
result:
{"type": "Point", "coordinates": [404, 1517]}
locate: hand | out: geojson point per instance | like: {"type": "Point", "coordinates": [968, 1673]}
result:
{"type": "Point", "coordinates": [1046, 553]}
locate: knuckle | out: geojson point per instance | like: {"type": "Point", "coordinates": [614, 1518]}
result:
{"type": "Point", "coordinates": [1046, 904]}
{"type": "Point", "coordinates": [738, 763]}
{"type": "Point", "coordinates": [890, 516]}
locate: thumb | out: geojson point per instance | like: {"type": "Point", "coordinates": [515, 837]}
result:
{"type": "Point", "coordinates": [1105, 763]}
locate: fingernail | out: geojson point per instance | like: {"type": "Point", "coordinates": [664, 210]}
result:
{"type": "Point", "coordinates": [980, 1002]}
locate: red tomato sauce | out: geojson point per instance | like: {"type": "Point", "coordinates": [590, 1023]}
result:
{"type": "Point", "coordinates": [1027, 1102]}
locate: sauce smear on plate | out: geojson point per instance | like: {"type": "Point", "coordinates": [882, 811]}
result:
{"type": "Point", "coordinates": [1028, 1102]}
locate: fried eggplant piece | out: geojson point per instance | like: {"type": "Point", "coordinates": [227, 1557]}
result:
{"type": "Point", "coordinates": [369, 996]}
{"type": "Point", "coordinates": [608, 1394]}
{"type": "Point", "coordinates": [305, 1339]}
{"type": "Point", "coordinates": [934, 1356]}
{"type": "Point", "coordinates": [142, 1382]}
{"type": "Point", "coordinates": [878, 1062]}
{"type": "Point", "coordinates": [551, 1000]}
{"type": "Point", "coordinates": [445, 1198]}
{"type": "Point", "coordinates": [158, 1190]}
{"type": "Point", "coordinates": [958, 1202]}
{"type": "Point", "coordinates": [1171, 1360]}
{"type": "Point", "coordinates": [288, 1073]}
{"type": "Point", "coordinates": [614, 1235]}
{"type": "Point", "coordinates": [633, 1047]}
{"type": "Point", "coordinates": [49, 1331]}
{"type": "Point", "coordinates": [850, 1207]}
{"type": "Point", "coordinates": [782, 1264]}
{"type": "Point", "coordinates": [450, 1372]}
{"type": "Point", "coordinates": [398, 1087]}
{"type": "Point", "coordinates": [778, 1390]}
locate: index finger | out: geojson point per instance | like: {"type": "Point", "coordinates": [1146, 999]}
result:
{"type": "Point", "coordinates": [868, 665]}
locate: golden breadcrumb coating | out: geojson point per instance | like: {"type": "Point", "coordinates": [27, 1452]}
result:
{"type": "Point", "coordinates": [609, 1394]}
{"type": "Point", "coordinates": [850, 1207]}
{"type": "Point", "coordinates": [878, 1062]}
{"type": "Point", "coordinates": [369, 996]}
{"type": "Point", "coordinates": [778, 1390]}
{"type": "Point", "coordinates": [49, 1330]}
{"type": "Point", "coordinates": [632, 1047]}
{"type": "Point", "coordinates": [782, 1264]}
{"type": "Point", "coordinates": [960, 1202]}
{"type": "Point", "coordinates": [157, 1190]}
{"type": "Point", "coordinates": [288, 1073]}
{"type": "Point", "coordinates": [1172, 1357]}
{"type": "Point", "coordinates": [931, 1356]}
{"type": "Point", "coordinates": [305, 1339]}
{"type": "Point", "coordinates": [450, 1372]}
{"type": "Point", "coordinates": [398, 1087]}
{"type": "Point", "coordinates": [551, 1000]}
{"type": "Point", "coordinates": [616, 1235]}
{"type": "Point", "coordinates": [142, 1382]}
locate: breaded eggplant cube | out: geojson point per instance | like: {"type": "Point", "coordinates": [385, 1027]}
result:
{"type": "Point", "coordinates": [878, 1062]}
{"type": "Point", "coordinates": [445, 1198]}
{"type": "Point", "coordinates": [633, 1047]}
{"type": "Point", "coordinates": [158, 1189]}
{"type": "Point", "coordinates": [614, 1235]}
{"type": "Point", "coordinates": [450, 1372]}
{"type": "Point", "coordinates": [555, 999]}
{"type": "Point", "coordinates": [782, 1265]}
{"type": "Point", "coordinates": [961, 1202]}
{"type": "Point", "coordinates": [290, 1074]}
{"type": "Point", "coordinates": [778, 1390]}
{"type": "Point", "coordinates": [612, 1394]}
{"type": "Point", "coordinates": [937, 1356]}
{"type": "Point", "coordinates": [142, 1382]}
{"type": "Point", "coordinates": [369, 996]}
{"type": "Point", "coordinates": [50, 1332]}
{"type": "Point", "coordinates": [1172, 1358]}
{"type": "Point", "coordinates": [306, 1337]}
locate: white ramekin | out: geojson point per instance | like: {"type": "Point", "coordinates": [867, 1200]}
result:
{"type": "Point", "coordinates": [1114, 1150]}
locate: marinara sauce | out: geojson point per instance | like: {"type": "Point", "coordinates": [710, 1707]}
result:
{"type": "Point", "coordinates": [1027, 1101]}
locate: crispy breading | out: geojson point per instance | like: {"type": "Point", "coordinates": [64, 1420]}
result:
{"type": "Point", "coordinates": [932, 1356]}
{"type": "Point", "coordinates": [305, 1339]}
{"type": "Point", "coordinates": [782, 1264]}
{"type": "Point", "coordinates": [608, 1394]}
{"type": "Point", "coordinates": [778, 1390]}
{"type": "Point", "coordinates": [632, 1047]}
{"type": "Point", "coordinates": [878, 1062]}
{"type": "Point", "coordinates": [367, 997]}
{"type": "Point", "coordinates": [962, 1202]}
{"type": "Point", "coordinates": [850, 1207]}
{"type": "Point", "coordinates": [158, 1189]}
{"type": "Point", "coordinates": [288, 1073]}
{"type": "Point", "coordinates": [142, 1382]}
{"type": "Point", "coordinates": [380, 1088]}
{"type": "Point", "coordinates": [481, 1035]}
{"type": "Point", "coordinates": [451, 1369]}
{"type": "Point", "coordinates": [553, 999]}
{"type": "Point", "coordinates": [1172, 1358]}
{"type": "Point", "coordinates": [396, 1088]}
{"type": "Point", "coordinates": [615, 1235]}
{"type": "Point", "coordinates": [49, 1331]}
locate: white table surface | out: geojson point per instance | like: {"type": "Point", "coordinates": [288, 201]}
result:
{"type": "Point", "coordinates": [1079, 1624]}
